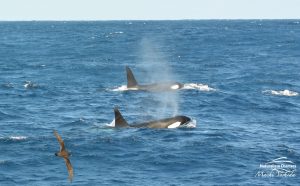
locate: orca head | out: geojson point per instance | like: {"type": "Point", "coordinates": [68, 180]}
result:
{"type": "Point", "coordinates": [179, 121]}
{"type": "Point", "coordinates": [184, 120]}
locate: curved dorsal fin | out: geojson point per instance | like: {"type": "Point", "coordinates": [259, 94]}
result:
{"type": "Point", "coordinates": [119, 120]}
{"type": "Point", "coordinates": [131, 82]}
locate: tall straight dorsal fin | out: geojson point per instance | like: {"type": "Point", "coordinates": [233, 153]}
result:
{"type": "Point", "coordinates": [119, 120]}
{"type": "Point", "coordinates": [131, 82]}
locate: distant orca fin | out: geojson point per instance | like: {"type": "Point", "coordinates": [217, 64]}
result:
{"type": "Point", "coordinates": [131, 82]}
{"type": "Point", "coordinates": [119, 120]}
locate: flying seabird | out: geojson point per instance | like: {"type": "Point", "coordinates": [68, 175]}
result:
{"type": "Point", "coordinates": [64, 154]}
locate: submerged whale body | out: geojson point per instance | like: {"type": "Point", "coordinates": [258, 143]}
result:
{"type": "Point", "coordinates": [172, 122]}
{"type": "Point", "coordinates": [133, 85]}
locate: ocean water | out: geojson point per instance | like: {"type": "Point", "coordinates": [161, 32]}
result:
{"type": "Point", "coordinates": [242, 85]}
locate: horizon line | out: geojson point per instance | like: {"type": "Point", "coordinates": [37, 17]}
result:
{"type": "Point", "coordinates": [202, 19]}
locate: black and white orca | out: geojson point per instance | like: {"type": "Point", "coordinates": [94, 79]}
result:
{"type": "Point", "coordinates": [132, 84]}
{"type": "Point", "coordinates": [172, 122]}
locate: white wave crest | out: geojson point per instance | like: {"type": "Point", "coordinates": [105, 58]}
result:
{"type": "Point", "coordinates": [281, 92]}
{"type": "Point", "coordinates": [111, 33]}
{"type": "Point", "coordinates": [14, 138]}
{"type": "Point", "coordinates": [198, 86]}
{"type": "Point", "coordinates": [112, 124]}
{"type": "Point", "coordinates": [18, 138]}
{"type": "Point", "coordinates": [29, 84]}
{"type": "Point", "coordinates": [122, 88]}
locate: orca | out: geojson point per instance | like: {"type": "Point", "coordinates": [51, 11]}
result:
{"type": "Point", "coordinates": [132, 84]}
{"type": "Point", "coordinates": [172, 122]}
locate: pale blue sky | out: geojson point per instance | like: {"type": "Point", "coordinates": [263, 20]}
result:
{"type": "Point", "coordinates": [148, 9]}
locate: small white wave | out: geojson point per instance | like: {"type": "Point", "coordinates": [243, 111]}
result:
{"type": "Point", "coordinates": [122, 88]}
{"type": "Point", "coordinates": [14, 138]}
{"type": "Point", "coordinates": [112, 124]}
{"type": "Point", "coordinates": [281, 92]}
{"type": "Point", "coordinates": [198, 86]}
{"type": "Point", "coordinates": [112, 33]}
{"type": "Point", "coordinates": [18, 138]}
{"type": "Point", "coordinates": [29, 84]}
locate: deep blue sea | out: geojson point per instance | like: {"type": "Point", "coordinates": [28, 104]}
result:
{"type": "Point", "coordinates": [242, 86]}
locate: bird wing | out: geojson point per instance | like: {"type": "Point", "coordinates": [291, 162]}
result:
{"type": "Point", "coordinates": [70, 168]}
{"type": "Point", "coordinates": [61, 142]}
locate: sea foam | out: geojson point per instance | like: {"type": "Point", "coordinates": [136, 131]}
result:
{"type": "Point", "coordinates": [18, 138]}
{"type": "Point", "coordinates": [14, 138]}
{"type": "Point", "coordinates": [30, 85]}
{"type": "Point", "coordinates": [121, 89]}
{"type": "Point", "coordinates": [281, 92]}
{"type": "Point", "coordinates": [198, 86]}
{"type": "Point", "coordinates": [112, 124]}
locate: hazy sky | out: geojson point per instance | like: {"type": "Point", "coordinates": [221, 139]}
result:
{"type": "Point", "coordinates": [147, 9]}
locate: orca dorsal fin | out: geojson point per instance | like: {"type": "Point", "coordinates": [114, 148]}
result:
{"type": "Point", "coordinates": [131, 82]}
{"type": "Point", "coordinates": [119, 120]}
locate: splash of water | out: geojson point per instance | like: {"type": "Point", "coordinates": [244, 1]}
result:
{"type": "Point", "coordinates": [112, 124]}
{"type": "Point", "coordinates": [282, 92]}
{"type": "Point", "coordinates": [18, 138]}
{"type": "Point", "coordinates": [14, 138]}
{"type": "Point", "coordinates": [198, 86]}
{"type": "Point", "coordinates": [30, 85]}
{"type": "Point", "coordinates": [121, 88]}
